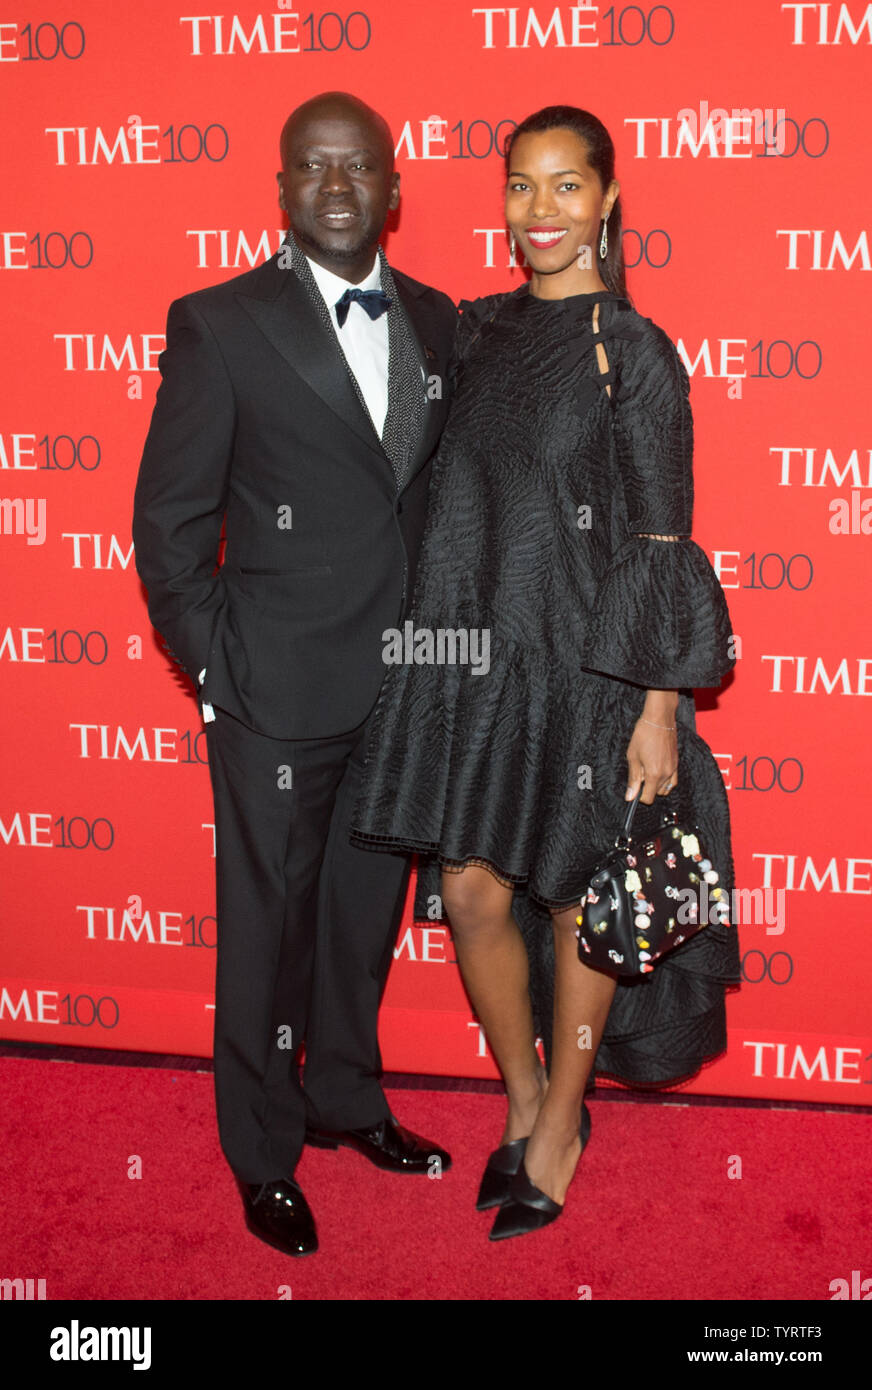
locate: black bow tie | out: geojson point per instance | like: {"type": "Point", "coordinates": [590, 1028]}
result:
{"type": "Point", "coordinates": [375, 302]}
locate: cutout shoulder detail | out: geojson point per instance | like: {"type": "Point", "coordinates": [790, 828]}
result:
{"type": "Point", "coordinates": [601, 357]}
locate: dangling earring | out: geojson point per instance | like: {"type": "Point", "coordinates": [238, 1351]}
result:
{"type": "Point", "coordinates": [512, 246]}
{"type": "Point", "coordinates": [604, 240]}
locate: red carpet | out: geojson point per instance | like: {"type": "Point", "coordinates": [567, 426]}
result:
{"type": "Point", "coordinates": [652, 1213]}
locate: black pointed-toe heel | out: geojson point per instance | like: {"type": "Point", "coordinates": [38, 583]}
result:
{"type": "Point", "coordinates": [526, 1208]}
{"type": "Point", "coordinates": [502, 1166]}
{"type": "Point", "coordinates": [504, 1163]}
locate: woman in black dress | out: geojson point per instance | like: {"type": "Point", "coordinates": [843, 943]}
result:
{"type": "Point", "coordinates": [558, 538]}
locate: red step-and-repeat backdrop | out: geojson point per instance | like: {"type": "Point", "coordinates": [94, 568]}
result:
{"type": "Point", "coordinates": [140, 150]}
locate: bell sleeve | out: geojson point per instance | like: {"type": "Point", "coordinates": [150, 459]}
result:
{"type": "Point", "coordinates": [660, 618]}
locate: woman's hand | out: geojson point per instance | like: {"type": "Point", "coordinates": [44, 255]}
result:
{"type": "Point", "coordinates": [652, 753]}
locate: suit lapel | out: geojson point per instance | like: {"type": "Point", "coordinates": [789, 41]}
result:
{"type": "Point", "coordinates": [285, 315]}
{"type": "Point", "coordinates": [289, 320]}
{"type": "Point", "coordinates": [433, 417]}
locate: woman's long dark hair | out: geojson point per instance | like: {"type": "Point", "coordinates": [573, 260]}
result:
{"type": "Point", "coordinates": [601, 157]}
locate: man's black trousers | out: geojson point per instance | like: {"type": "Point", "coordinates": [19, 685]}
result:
{"type": "Point", "coordinates": [306, 929]}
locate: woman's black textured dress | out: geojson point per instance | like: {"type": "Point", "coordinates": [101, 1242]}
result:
{"type": "Point", "coordinates": [541, 485]}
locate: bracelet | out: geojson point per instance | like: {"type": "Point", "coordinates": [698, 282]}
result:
{"type": "Point", "coordinates": [670, 728]}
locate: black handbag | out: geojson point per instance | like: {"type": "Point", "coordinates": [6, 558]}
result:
{"type": "Point", "coordinates": [646, 897]}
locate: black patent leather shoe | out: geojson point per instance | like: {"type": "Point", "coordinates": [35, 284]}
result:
{"type": "Point", "coordinates": [502, 1166]}
{"type": "Point", "coordinates": [278, 1213]}
{"type": "Point", "coordinates": [527, 1208]}
{"type": "Point", "coordinates": [505, 1162]}
{"type": "Point", "coordinates": [387, 1145]}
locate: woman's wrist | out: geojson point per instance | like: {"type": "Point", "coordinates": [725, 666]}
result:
{"type": "Point", "coordinates": [669, 728]}
{"type": "Point", "coordinates": [660, 702]}
{"type": "Point", "coordinates": [660, 707]}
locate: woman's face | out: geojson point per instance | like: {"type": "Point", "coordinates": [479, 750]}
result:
{"type": "Point", "coordinates": [555, 201]}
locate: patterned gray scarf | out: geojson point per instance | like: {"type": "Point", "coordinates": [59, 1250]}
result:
{"type": "Point", "coordinates": [406, 400]}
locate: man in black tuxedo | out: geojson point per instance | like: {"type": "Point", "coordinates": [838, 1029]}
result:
{"type": "Point", "coordinates": [300, 403]}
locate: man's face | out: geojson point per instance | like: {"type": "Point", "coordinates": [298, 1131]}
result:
{"type": "Point", "coordinates": [337, 185]}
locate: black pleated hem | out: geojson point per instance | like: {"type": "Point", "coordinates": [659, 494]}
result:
{"type": "Point", "coordinates": [434, 858]}
{"type": "Point", "coordinates": [663, 1075]}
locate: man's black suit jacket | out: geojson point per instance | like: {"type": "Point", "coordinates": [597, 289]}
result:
{"type": "Point", "coordinates": [255, 415]}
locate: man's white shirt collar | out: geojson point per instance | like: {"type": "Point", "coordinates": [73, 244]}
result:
{"type": "Point", "coordinates": [333, 287]}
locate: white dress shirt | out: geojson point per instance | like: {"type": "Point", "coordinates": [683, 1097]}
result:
{"type": "Point", "coordinates": [364, 341]}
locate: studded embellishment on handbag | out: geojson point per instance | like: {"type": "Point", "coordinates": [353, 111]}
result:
{"type": "Point", "coordinates": [647, 897]}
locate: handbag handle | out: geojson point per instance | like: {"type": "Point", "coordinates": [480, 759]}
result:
{"type": "Point", "coordinates": [624, 838]}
